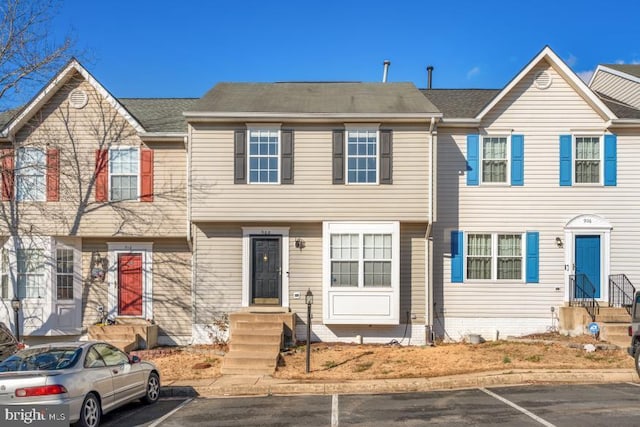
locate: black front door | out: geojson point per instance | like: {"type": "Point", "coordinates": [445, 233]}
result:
{"type": "Point", "coordinates": [265, 270]}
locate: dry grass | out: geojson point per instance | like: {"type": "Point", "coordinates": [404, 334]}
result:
{"type": "Point", "coordinates": [331, 361]}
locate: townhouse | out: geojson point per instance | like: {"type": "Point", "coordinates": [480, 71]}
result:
{"type": "Point", "coordinates": [408, 214]}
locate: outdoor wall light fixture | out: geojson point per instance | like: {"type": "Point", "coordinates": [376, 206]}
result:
{"type": "Point", "coordinates": [98, 266]}
{"type": "Point", "coordinates": [300, 244]}
{"type": "Point", "coordinates": [559, 242]}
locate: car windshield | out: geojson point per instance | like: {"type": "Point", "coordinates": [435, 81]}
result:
{"type": "Point", "coordinates": [43, 358]}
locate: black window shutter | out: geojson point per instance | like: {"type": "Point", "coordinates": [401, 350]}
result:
{"type": "Point", "coordinates": [338, 157]}
{"type": "Point", "coordinates": [386, 157]}
{"type": "Point", "coordinates": [286, 174]}
{"type": "Point", "coordinates": [240, 153]}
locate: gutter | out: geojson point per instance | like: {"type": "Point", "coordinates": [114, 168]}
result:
{"type": "Point", "coordinates": [163, 136]}
{"type": "Point", "coordinates": [624, 123]}
{"type": "Point", "coordinates": [433, 138]}
{"type": "Point", "coordinates": [459, 122]}
{"type": "Point", "coordinates": [292, 116]}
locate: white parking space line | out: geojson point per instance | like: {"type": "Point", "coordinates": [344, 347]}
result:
{"type": "Point", "coordinates": [335, 420]}
{"type": "Point", "coordinates": [157, 422]}
{"type": "Point", "coordinates": [519, 408]}
{"type": "Point", "coordinates": [634, 384]}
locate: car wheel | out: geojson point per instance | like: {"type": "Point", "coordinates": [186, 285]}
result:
{"type": "Point", "coordinates": [153, 389]}
{"type": "Point", "coordinates": [90, 412]}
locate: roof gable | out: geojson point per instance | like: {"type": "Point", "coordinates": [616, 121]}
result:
{"type": "Point", "coordinates": [548, 55]}
{"type": "Point", "coordinates": [32, 107]}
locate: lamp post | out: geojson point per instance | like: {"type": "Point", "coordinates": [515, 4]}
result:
{"type": "Point", "coordinates": [15, 304]}
{"type": "Point", "coordinates": [308, 298]}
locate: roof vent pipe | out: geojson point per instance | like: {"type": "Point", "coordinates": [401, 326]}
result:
{"type": "Point", "coordinates": [429, 76]}
{"type": "Point", "coordinates": [386, 64]}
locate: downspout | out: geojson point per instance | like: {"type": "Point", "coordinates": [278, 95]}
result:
{"type": "Point", "coordinates": [187, 142]}
{"type": "Point", "coordinates": [428, 253]}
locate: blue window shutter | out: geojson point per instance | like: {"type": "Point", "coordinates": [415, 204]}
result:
{"type": "Point", "coordinates": [565, 160]}
{"type": "Point", "coordinates": [610, 160]}
{"type": "Point", "coordinates": [533, 257]}
{"type": "Point", "coordinates": [473, 159]}
{"type": "Point", "coordinates": [457, 256]}
{"type": "Point", "coordinates": [517, 159]}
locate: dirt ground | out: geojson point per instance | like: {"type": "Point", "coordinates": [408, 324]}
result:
{"type": "Point", "coordinates": [336, 361]}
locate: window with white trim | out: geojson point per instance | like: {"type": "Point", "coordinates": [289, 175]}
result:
{"type": "Point", "coordinates": [124, 168]}
{"type": "Point", "coordinates": [362, 156]}
{"type": "Point", "coordinates": [587, 160]}
{"type": "Point", "coordinates": [264, 156]}
{"type": "Point", "coordinates": [30, 173]}
{"type": "Point", "coordinates": [30, 273]}
{"type": "Point", "coordinates": [64, 273]}
{"type": "Point", "coordinates": [495, 159]}
{"type": "Point", "coordinates": [361, 260]}
{"type": "Point", "coordinates": [494, 256]}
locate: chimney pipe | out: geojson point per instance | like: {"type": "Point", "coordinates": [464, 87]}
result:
{"type": "Point", "coordinates": [429, 76]}
{"type": "Point", "coordinates": [386, 64]}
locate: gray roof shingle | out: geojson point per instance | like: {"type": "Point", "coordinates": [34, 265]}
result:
{"type": "Point", "coordinates": [631, 69]}
{"type": "Point", "coordinates": [159, 114]}
{"type": "Point", "coordinates": [460, 103]}
{"type": "Point", "coordinates": [620, 109]}
{"type": "Point", "coordinates": [303, 97]}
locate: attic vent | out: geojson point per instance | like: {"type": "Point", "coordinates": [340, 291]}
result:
{"type": "Point", "coordinates": [542, 80]}
{"type": "Point", "coordinates": [78, 98]}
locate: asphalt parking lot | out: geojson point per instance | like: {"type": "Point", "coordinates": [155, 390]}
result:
{"type": "Point", "coordinates": [535, 405]}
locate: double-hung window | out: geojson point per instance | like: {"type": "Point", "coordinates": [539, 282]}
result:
{"type": "Point", "coordinates": [264, 156]}
{"type": "Point", "coordinates": [124, 165]}
{"type": "Point", "coordinates": [362, 156]}
{"type": "Point", "coordinates": [587, 160]}
{"type": "Point", "coordinates": [30, 173]}
{"type": "Point", "coordinates": [30, 273]}
{"type": "Point", "coordinates": [495, 160]}
{"type": "Point", "coordinates": [361, 260]}
{"type": "Point", "coordinates": [361, 272]}
{"type": "Point", "coordinates": [494, 256]}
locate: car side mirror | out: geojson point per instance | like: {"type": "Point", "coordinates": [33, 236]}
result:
{"type": "Point", "coordinates": [134, 359]}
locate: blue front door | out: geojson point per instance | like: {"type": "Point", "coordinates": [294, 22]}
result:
{"type": "Point", "coordinates": [587, 265]}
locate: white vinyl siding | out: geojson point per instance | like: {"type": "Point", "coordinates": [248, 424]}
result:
{"type": "Point", "coordinates": [30, 174]}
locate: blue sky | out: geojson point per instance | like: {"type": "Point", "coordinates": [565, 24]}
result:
{"type": "Point", "coordinates": [141, 48]}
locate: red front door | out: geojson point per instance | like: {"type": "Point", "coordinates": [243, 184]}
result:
{"type": "Point", "coordinates": [130, 284]}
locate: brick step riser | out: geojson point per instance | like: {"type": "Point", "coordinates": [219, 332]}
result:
{"type": "Point", "coordinates": [256, 325]}
{"type": "Point", "coordinates": [255, 331]}
{"type": "Point", "coordinates": [252, 339]}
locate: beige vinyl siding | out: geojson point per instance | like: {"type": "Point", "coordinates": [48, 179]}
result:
{"type": "Point", "coordinates": [540, 205]}
{"type": "Point", "coordinates": [313, 197]}
{"type": "Point", "coordinates": [78, 133]}
{"type": "Point", "coordinates": [617, 87]}
{"type": "Point", "coordinates": [218, 254]}
{"type": "Point", "coordinates": [171, 286]}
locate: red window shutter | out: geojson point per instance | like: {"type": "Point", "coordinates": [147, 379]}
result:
{"type": "Point", "coordinates": [53, 175]}
{"type": "Point", "coordinates": [7, 174]}
{"type": "Point", "coordinates": [102, 175]}
{"type": "Point", "coordinates": [146, 175]}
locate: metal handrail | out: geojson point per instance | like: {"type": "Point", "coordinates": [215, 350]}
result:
{"type": "Point", "coordinates": [582, 294]}
{"type": "Point", "coordinates": [621, 291]}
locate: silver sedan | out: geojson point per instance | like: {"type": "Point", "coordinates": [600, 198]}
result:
{"type": "Point", "coordinates": [91, 377]}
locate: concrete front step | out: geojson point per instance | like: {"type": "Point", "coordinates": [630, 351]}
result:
{"type": "Point", "coordinates": [257, 325]}
{"type": "Point", "coordinates": [126, 345]}
{"type": "Point", "coordinates": [243, 361]}
{"type": "Point", "coordinates": [613, 315]}
{"type": "Point", "coordinates": [256, 338]}
{"type": "Point", "coordinates": [254, 347]}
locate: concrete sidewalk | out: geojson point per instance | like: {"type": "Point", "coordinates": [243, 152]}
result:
{"type": "Point", "coordinates": [241, 385]}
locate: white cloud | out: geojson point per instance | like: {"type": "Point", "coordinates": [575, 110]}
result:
{"type": "Point", "coordinates": [571, 60]}
{"type": "Point", "coordinates": [473, 72]}
{"type": "Point", "coordinates": [585, 76]}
